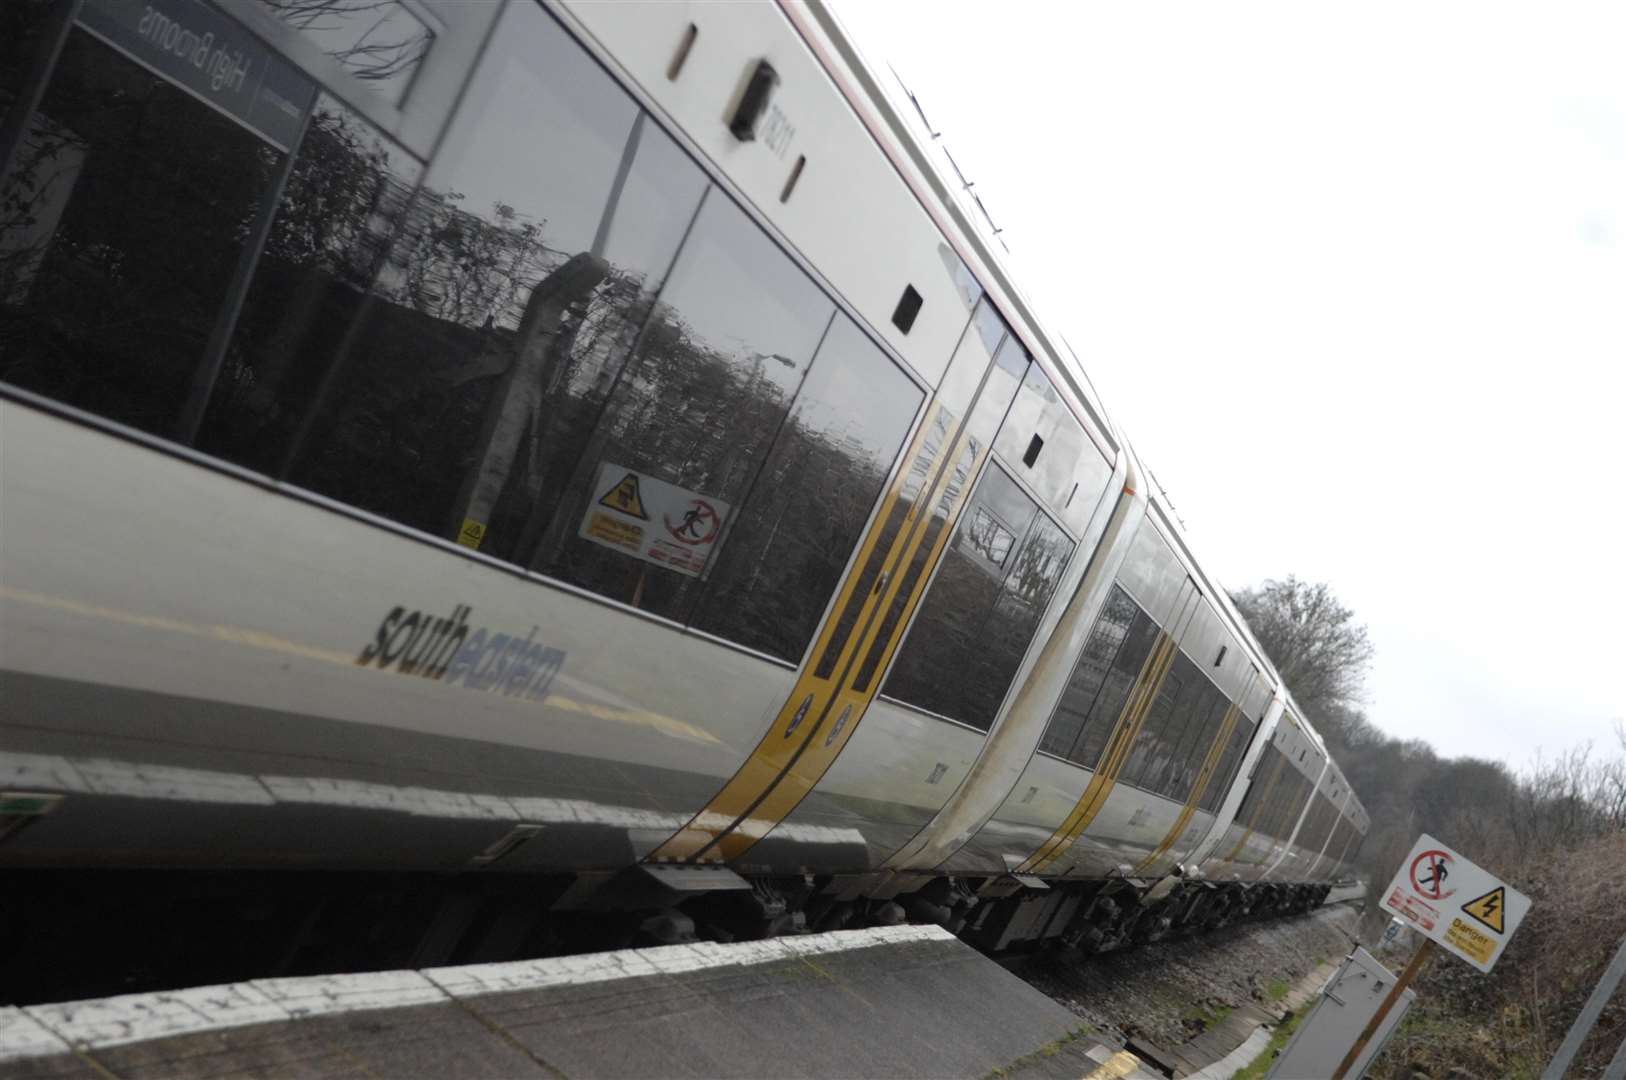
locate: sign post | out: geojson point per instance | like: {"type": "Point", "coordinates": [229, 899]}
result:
{"type": "Point", "coordinates": [1456, 906]}
{"type": "Point", "coordinates": [1418, 959]}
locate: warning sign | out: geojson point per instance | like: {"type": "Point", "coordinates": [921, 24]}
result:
{"type": "Point", "coordinates": [1489, 908]}
{"type": "Point", "coordinates": [625, 497]}
{"type": "Point", "coordinates": [1428, 893]}
{"type": "Point", "coordinates": [649, 519]}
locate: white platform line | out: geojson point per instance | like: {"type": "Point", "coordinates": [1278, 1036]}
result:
{"type": "Point", "coordinates": [21, 1036]}
{"type": "Point", "coordinates": [41, 1030]}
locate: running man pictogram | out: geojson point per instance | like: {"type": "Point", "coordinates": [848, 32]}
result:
{"type": "Point", "coordinates": [1428, 873]}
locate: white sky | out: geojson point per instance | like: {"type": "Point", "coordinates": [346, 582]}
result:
{"type": "Point", "coordinates": [1353, 279]}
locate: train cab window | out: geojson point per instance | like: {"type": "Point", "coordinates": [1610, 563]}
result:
{"type": "Point", "coordinates": [980, 612]}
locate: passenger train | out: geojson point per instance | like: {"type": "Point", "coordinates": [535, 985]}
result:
{"type": "Point", "coordinates": [530, 465]}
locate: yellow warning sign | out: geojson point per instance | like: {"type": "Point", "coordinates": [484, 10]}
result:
{"type": "Point", "coordinates": [472, 533]}
{"type": "Point", "coordinates": [625, 497]}
{"type": "Point", "coordinates": [1470, 942]}
{"type": "Point", "coordinates": [615, 533]}
{"type": "Point", "coordinates": [1489, 908]}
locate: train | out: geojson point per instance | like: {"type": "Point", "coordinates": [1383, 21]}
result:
{"type": "Point", "coordinates": [476, 476]}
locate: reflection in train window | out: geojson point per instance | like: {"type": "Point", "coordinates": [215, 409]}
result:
{"type": "Point", "coordinates": [967, 371]}
{"type": "Point", "coordinates": [380, 42]}
{"type": "Point", "coordinates": [463, 401]}
{"type": "Point", "coordinates": [973, 628]}
{"type": "Point", "coordinates": [1220, 782]}
{"type": "Point", "coordinates": [1160, 730]}
{"type": "Point", "coordinates": [700, 402]}
{"type": "Point", "coordinates": [122, 221]}
{"type": "Point", "coordinates": [988, 537]}
{"type": "Point", "coordinates": [1106, 637]}
{"type": "Point", "coordinates": [348, 189]}
{"type": "Point", "coordinates": [788, 545]}
{"type": "Point", "coordinates": [1127, 668]}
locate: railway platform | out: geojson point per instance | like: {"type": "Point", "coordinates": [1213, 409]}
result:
{"type": "Point", "coordinates": [905, 1001]}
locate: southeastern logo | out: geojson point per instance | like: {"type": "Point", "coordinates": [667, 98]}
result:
{"type": "Point", "coordinates": [447, 650]}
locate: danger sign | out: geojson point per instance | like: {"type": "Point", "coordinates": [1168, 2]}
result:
{"type": "Point", "coordinates": [1460, 906]}
{"type": "Point", "coordinates": [649, 519]}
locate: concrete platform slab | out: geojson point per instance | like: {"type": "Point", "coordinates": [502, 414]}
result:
{"type": "Point", "coordinates": [892, 1001]}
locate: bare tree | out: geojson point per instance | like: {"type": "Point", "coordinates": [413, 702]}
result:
{"type": "Point", "coordinates": [1320, 650]}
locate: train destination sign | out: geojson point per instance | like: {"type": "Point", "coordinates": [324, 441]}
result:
{"type": "Point", "coordinates": [649, 519]}
{"type": "Point", "coordinates": [1445, 897]}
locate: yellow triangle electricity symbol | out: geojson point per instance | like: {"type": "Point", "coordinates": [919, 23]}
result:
{"type": "Point", "coordinates": [1488, 908]}
{"type": "Point", "coordinates": [625, 498]}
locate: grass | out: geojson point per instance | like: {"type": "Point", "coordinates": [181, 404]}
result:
{"type": "Point", "coordinates": [1276, 989]}
{"type": "Point", "coordinates": [1048, 1050]}
{"type": "Point", "coordinates": [1260, 1065]}
{"type": "Point", "coordinates": [1208, 1016]}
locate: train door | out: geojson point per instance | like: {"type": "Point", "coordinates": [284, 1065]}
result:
{"type": "Point", "coordinates": [1143, 698]}
{"type": "Point", "coordinates": [861, 630]}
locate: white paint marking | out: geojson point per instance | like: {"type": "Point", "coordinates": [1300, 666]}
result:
{"type": "Point", "coordinates": [137, 1017]}
{"type": "Point", "coordinates": [21, 1036]}
{"type": "Point", "coordinates": [317, 995]}
{"type": "Point", "coordinates": [473, 980]}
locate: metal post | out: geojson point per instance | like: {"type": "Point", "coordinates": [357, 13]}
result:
{"type": "Point", "coordinates": [1418, 959]}
{"type": "Point", "coordinates": [1617, 1067]}
{"type": "Point", "coordinates": [248, 260]}
{"type": "Point", "coordinates": [17, 120]}
{"type": "Point", "coordinates": [1589, 1016]}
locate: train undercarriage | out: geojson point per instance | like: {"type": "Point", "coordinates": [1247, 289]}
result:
{"type": "Point", "coordinates": [72, 934]}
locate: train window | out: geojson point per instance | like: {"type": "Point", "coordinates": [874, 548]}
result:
{"type": "Point", "coordinates": [1151, 574]}
{"type": "Point", "coordinates": [125, 217]}
{"type": "Point", "coordinates": [956, 394]}
{"type": "Point", "coordinates": [1225, 772]}
{"type": "Point", "coordinates": [27, 28]}
{"type": "Point", "coordinates": [1039, 420]}
{"type": "Point", "coordinates": [1180, 778]}
{"type": "Point", "coordinates": [348, 188]}
{"type": "Point", "coordinates": [701, 401]}
{"type": "Point", "coordinates": [1090, 673]}
{"type": "Point", "coordinates": [381, 43]}
{"type": "Point", "coordinates": [988, 537]}
{"type": "Point", "coordinates": [792, 538]}
{"type": "Point", "coordinates": [975, 623]}
{"type": "Point", "coordinates": [462, 400]}
{"type": "Point", "coordinates": [1173, 709]}
{"type": "Point", "coordinates": [1127, 669]}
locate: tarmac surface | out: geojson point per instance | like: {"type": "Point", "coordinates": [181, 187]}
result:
{"type": "Point", "coordinates": [905, 1001]}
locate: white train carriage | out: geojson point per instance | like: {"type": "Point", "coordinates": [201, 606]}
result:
{"type": "Point", "coordinates": [564, 442]}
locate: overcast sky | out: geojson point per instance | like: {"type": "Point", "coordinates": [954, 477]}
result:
{"type": "Point", "coordinates": [1353, 279]}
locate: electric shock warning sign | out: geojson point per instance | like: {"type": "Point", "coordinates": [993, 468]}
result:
{"type": "Point", "coordinates": [1447, 898]}
{"type": "Point", "coordinates": [649, 519]}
